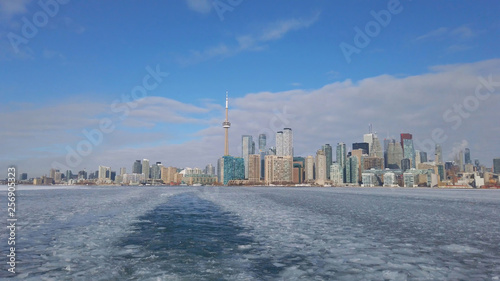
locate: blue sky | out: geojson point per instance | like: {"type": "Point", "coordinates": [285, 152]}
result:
{"type": "Point", "coordinates": [91, 52]}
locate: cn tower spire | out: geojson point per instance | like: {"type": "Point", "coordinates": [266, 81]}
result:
{"type": "Point", "coordinates": [226, 124]}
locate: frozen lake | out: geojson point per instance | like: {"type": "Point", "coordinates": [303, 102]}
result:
{"type": "Point", "coordinates": [255, 233]}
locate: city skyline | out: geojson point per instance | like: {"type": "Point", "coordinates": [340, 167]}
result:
{"type": "Point", "coordinates": [438, 80]}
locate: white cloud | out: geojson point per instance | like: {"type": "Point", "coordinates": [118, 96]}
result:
{"type": "Point", "coordinates": [434, 33]}
{"type": "Point", "coordinates": [250, 42]}
{"type": "Point", "coordinates": [10, 8]}
{"type": "Point", "coordinates": [337, 112]}
{"type": "Point", "coordinates": [200, 6]}
{"type": "Point", "coordinates": [463, 32]}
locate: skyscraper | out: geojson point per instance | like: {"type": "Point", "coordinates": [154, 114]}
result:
{"type": "Point", "coordinates": [438, 154]}
{"type": "Point", "coordinates": [368, 138]}
{"type": "Point", "coordinates": [156, 171]}
{"type": "Point", "coordinates": [145, 168]}
{"type": "Point", "coordinates": [405, 164]}
{"type": "Point", "coordinates": [352, 170]}
{"type": "Point", "coordinates": [320, 167]}
{"type": "Point", "coordinates": [210, 170]}
{"type": "Point", "coordinates": [262, 152]}
{"type": "Point", "coordinates": [423, 156]}
{"type": "Point", "coordinates": [254, 168]}
{"type": "Point", "coordinates": [279, 143]}
{"type": "Point", "coordinates": [408, 148]}
{"type": "Point", "coordinates": [375, 149]}
{"type": "Point", "coordinates": [362, 145]}
{"type": "Point", "coordinates": [262, 143]}
{"type": "Point", "coordinates": [467, 156]}
{"type": "Point", "coordinates": [137, 167]}
{"type": "Point", "coordinates": [287, 142]}
{"type": "Point", "coordinates": [394, 155]}
{"type": "Point", "coordinates": [246, 150]}
{"type": "Point", "coordinates": [386, 150]}
{"type": "Point", "coordinates": [279, 169]}
{"type": "Point", "coordinates": [327, 149]}
{"type": "Point", "coordinates": [460, 160]}
{"type": "Point", "coordinates": [231, 168]}
{"type": "Point", "coordinates": [226, 124]}
{"type": "Point", "coordinates": [309, 167]}
{"type": "Point", "coordinates": [341, 159]}
{"type": "Point", "coordinates": [417, 158]}
{"type": "Point", "coordinates": [104, 173]}
{"type": "Point", "coordinates": [284, 142]}
{"type": "Point", "coordinates": [496, 165]}
{"type": "Point", "coordinates": [336, 174]}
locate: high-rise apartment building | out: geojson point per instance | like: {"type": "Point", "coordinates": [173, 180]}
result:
{"type": "Point", "coordinates": [327, 149]}
{"type": "Point", "coordinates": [137, 167]}
{"type": "Point", "coordinates": [320, 167]}
{"type": "Point", "coordinates": [168, 175]}
{"type": "Point", "coordinates": [231, 168]}
{"type": "Point", "coordinates": [279, 143]}
{"type": "Point", "coordinates": [287, 142]}
{"type": "Point", "coordinates": [284, 142]}
{"type": "Point", "coordinates": [341, 156]}
{"type": "Point", "coordinates": [246, 150]}
{"type": "Point", "coordinates": [210, 170]}
{"type": "Point", "coordinates": [279, 169]}
{"type": "Point", "coordinates": [299, 164]}
{"type": "Point", "coordinates": [336, 174]}
{"type": "Point", "coordinates": [254, 167]}
{"type": "Point", "coordinates": [145, 168]}
{"type": "Point", "coordinates": [309, 168]}
{"type": "Point", "coordinates": [352, 170]}
{"type": "Point", "coordinates": [156, 171]}
{"type": "Point", "coordinates": [262, 152]}
{"type": "Point", "coordinates": [104, 173]}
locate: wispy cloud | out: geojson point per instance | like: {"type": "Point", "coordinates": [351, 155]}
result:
{"type": "Point", "coordinates": [250, 42]}
{"type": "Point", "coordinates": [279, 29]}
{"type": "Point", "coordinates": [200, 6]}
{"type": "Point", "coordinates": [462, 32]}
{"type": "Point", "coordinates": [10, 8]}
{"type": "Point", "coordinates": [458, 48]}
{"type": "Point", "coordinates": [433, 34]}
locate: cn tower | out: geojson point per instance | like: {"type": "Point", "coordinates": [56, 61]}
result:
{"type": "Point", "coordinates": [226, 124]}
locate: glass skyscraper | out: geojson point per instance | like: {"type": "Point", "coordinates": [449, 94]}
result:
{"type": "Point", "coordinates": [137, 168]}
{"type": "Point", "coordinates": [409, 150]}
{"type": "Point", "coordinates": [341, 159]}
{"type": "Point", "coordinates": [327, 149]}
{"type": "Point", "coordinates": [246, 150]}
{"type": "Point", "coordinates": [467, 156]}
{"type": "Point", "coordinates": [231, 168]}
{"type": "Point", "coordinates": [496, 165]}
